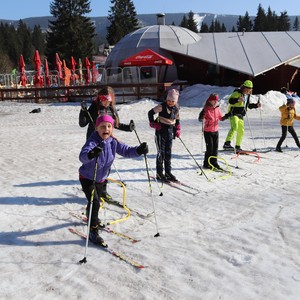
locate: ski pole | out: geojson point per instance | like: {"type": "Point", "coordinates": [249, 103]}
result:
{"type": "Point", "coordinates": [84, 260]}
{"type": "Point", "coordinates": [148, 167]}
{"type": "Point", "coordinates": [262, 123]}
{"type": "Point", "coordinates": [287, 130]}
{"type": "Point", "coordinates": [202, 139]}
{"type": "Point", "coordinates": [118, 174]}
{"type": "Point", "coordinates": [193, 158]}
{"type": "Point", "coordinates": [150, 186]}
{"type": "Point", "coordinates": [251, 132]}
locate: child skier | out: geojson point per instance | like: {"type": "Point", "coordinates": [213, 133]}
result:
{"type": "Point", "coordinates": [101, 147]}
{"type": "Point", "coordinates": [167, 127]}
{"type": "Point", "coordinates": [288, 114]}
{"type": "Point", "coordinates": [211, 113]}
{"type": "Point", "coordinates": [239, 102]}
{"type": "Point", "coordinates": [104, 104]}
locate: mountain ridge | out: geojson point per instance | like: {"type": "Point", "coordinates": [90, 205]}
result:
{"type": "Point", "coordinates": [101, 23]}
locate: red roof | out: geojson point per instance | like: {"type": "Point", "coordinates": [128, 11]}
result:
{"type": "Point", "coordinates": [146, 58]}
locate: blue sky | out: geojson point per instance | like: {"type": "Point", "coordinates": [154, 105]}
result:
{"type": "Point", "coordinates": [20, 9]}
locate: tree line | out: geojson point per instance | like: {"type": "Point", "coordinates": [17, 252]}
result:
{"type": "Point", "coordinates": [263, 21]}
{"type": "Point", "coordinates": [72, 33]}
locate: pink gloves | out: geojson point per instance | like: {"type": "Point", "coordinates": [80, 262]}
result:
{"type": "Point", "coordinates": [155, 125]}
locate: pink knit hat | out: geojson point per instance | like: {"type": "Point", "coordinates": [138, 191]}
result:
{"type": "Point", "coordinates": [104, 118]}
{"type": "Point", "coordinates": [173, 95]}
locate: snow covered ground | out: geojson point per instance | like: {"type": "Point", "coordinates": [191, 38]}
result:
{"type": "Point", "coordinates": [227, 238]}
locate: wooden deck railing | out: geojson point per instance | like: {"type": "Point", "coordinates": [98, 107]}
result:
{"type": "Point", "coordinates": [124, 92]}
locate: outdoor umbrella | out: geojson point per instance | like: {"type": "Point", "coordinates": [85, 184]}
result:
{"type": "Point", "coordinates": [38, 78]}
{"type": "Point", "coordinates": [80, 70]}
{"type": "Point", "coordinates": [58, 65]}
{"type": "Point", "coordinates": [66, 72]}
{"type": "Point", "coordinates": [94, 72]}
{"type": "Point", "coordinates": [73, 68]}
{"type": "Point", "coordinates": [23, 78]}
{"type": "Point", "coordinates": [87, 71]}
{"type": "Point", "coordinates": [46, 69]}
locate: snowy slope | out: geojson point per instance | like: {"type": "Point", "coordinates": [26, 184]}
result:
{"type": "Point", "coordinates": [235, 238]}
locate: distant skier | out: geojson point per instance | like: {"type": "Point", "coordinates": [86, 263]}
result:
{"type": "Point", "coordinates": [288, 114]}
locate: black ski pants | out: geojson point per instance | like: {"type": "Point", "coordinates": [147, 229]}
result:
{"type": "Point", "coordinates": [99, 191]}
{"type": "Point", "coordinates": [164, 140]}
{"type": "Point", "coordinates": [212, 144]}
{"type": "Point", "coordinates": [291, 130]}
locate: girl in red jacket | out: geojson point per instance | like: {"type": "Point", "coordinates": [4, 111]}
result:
{"type": "Point", "coordinates": [211, 113]}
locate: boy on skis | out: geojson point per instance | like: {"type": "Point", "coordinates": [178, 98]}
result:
{"type": "Point", "coordinates": [239, 102]}
{"type": "Point", "coordinates": [167, 127]}
{"type": "Point", "coordinates": [97, 156]}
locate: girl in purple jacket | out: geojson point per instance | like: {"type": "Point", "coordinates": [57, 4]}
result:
{"type": "Point", "coordinates": [211, 113]}
{"type": "Point", "coordinates": [102, 147]}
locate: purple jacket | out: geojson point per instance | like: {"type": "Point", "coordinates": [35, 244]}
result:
{"type": "Point", "coordinates": [111, 146]}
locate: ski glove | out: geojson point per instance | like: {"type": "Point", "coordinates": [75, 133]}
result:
{"type": "Point", "coordinates": [142, 149]}
{"type": "Point", "coordinates": [131, 126]}
{"type": "Point", "coordinates": [83, 106]}
{"type": "Point", "coordinates": [177, 132]}
{"type": "Point", "coordinates": [225, 117]}
{"type": "Point", "coordinates": [155, 125]}
{"type": "Point", "coordinates": [95, 152]}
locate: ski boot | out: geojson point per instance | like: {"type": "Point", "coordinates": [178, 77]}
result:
{"type": "Point", "coordinates": [95, 238]}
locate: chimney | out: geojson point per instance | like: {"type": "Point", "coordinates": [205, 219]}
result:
{"type": "Point", "coordinates": [161, 19]}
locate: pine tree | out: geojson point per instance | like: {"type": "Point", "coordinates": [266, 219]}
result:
{"type": "Point", "coordinates": [212, 27]}
{"type": "Point", "coordinates": [271, 20]}
{"type": "Point", "coordinates": [71, 33]}
{"type": "Point", "coordinates": [204, 27]}
{"type": "Point", "coordinates": [38, 39]}
{"type": "Point", "coordinates": [223, 28]}
{"type": "Point", "coordinates": [296, 24]}
{"type": "Point", "coordinates": [260, 19]}
{"type": "Point", "coordinates": [244, 23]}
{"type": "Point", "coordinates": [283, 22]}
{"type": "Point", "coordinates": [191, 23]}
{"type": "Point", "coordinates": [123, 20]}
{"type": "Point", "coordinates": [11, 46]}
{"type": "Point", "coordinates": [25, 44]}
{"type": "Point", "coordinates": [184, 22]}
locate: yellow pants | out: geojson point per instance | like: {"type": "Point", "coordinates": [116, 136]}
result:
{"type": "Point", "coordinates": [237, 127]}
